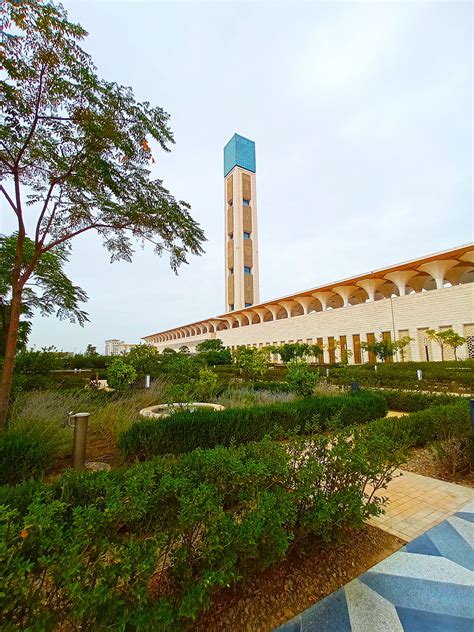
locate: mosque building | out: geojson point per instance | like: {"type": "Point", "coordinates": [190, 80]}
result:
{"type": "Point", "coordinates": [432, 292]}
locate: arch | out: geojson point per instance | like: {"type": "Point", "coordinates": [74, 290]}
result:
{"type": "Point", "coordinates": [438, 269]}
{"type": "Point", "coordinates": [460, 274]}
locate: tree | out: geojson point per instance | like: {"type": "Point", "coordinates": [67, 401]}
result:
{"type": "Point", "coordinates": [77, 148]}
{"type": "Point", "coordinates": [292, 350]}
{"type": "Point", "coordinates": [383, 349]}
{"type": "Point", "coordinates": [446, 338]}
{"type": "Point", "coordinates": [251, 362]}
{"type": "Point", "coordinates": [439, 337]}
{"type": "Point", "coordinates": [48, 289]}
{"type": "Point", "coordinates": [454, 340]}
{"type": "Point", "coordinates": [91, 351]}
{"type": "Point", "coordinates": [214, 344]}
{"type": "Point", "coordinates": [145, 359]}
{"type": "Point", "coordinates": [402, 344]}
{"type": "Point", "coordinates": [214, 352]}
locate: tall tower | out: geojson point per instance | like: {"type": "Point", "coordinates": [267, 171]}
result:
{"type": "Point", "coordinates": [241, 238]}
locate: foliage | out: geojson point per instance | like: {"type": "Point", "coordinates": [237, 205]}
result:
{"type": "Point", "coordinates": [48, 290]}
{"type": "Point", "coordinates": [77, 147]}
{"type": "Point", "coordinates": [180, 368]}
{"type": "Point", "coordinates": [385, 349]}
{"type": "Point", "coordinates": [251, 362]}
{"type": "Point", "coordinates": [91, 351]}
{"type": "Point", "coordinates": [202, 388]}
{"type": "Point", "coordinates": [301, 380]}
{"type": "Point", "coordinates": [454, 340]}
{"type": "Point", "coordinates": [185, 431]}
{"type": "Point", "coordinates": [22, 457]}
{"type": "Point", "coordinates": [120, 374]}
{"type": "Point", "coordinates": [213, 352]}
{"type": "Point", "coordinates": [145, 359]}
{"type": "Point", "coordinates": [39, 362]}
{"type": "Point", "coordinates": [144, 548]}
{"type": "Point", "coordinates": [446, 338]}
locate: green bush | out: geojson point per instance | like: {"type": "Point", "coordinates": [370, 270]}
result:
{"type": "Point", "coordinates": [22, 457]}
{"type": "Point", "coordinates": [185, 431]}
{"type": "Point", "coordinates": [301, 380]}
{"type": "Point", "coordinates": [120, 374]}
{"type": "Point", "coordinates": [144, 548]}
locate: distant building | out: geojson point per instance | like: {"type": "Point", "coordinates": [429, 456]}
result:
{"type": "Point", "coordinates": [117, 347]}
{"type": "Point", "coordinates": [434, 291]}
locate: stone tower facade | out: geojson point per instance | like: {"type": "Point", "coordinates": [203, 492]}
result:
{"type": "Point", "coordinates": [241, 237]}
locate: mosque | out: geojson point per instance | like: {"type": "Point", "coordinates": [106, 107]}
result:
{"type": "Point", "coordinates": [406, 299]}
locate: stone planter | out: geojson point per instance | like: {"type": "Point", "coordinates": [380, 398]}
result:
{"type": "Point", "coordinates": [165, 410]}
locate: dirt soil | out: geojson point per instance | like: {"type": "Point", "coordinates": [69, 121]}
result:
{"type": "Point", "coordinates": [309, 572]}
{"type": "Point", "coordinates": [423, 461]}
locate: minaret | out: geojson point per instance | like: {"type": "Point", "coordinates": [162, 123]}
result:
{"type": "Point", "coordinates": [241, 238]}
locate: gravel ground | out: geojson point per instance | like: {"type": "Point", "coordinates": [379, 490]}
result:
{"type": "Point", "coordinates": [423, 461]}
{"type": "Point", "coordinates": [309, 572]}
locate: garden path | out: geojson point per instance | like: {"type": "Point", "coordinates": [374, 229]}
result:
{"type": "Point", "coordinates": [417, 503]}
{"type": "Point", "coordinates": [426, 586]}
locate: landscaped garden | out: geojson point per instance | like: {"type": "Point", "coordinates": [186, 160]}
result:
{"type": "Point", "coordinates": [200, 506]}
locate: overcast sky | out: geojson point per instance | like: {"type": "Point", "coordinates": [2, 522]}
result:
{"type": "Point", "coordinates": [362, 118]}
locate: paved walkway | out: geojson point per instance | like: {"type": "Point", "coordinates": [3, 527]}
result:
{"type": "Point", "coordinates": [417, 503]}
{"type": "Point", "coordinates": [427, 586]}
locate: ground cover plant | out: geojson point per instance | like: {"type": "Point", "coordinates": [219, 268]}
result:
{"type": "Point", "coordinates": [145, 547]}
{"type": "Point", "coordinates": [184, 431]}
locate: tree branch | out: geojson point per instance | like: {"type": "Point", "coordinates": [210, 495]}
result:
{"type": "Point", "coordinates": [10, 201]}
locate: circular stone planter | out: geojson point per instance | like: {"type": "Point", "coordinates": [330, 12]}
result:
{"type": "Point", "coordinates": [165, 410]}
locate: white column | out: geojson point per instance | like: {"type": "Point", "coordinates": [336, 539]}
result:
{"type": "Point", "coordinates": [437, 269]}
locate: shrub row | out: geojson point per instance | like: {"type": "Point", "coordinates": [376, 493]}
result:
{"type": "Point", "coordinates": [411, 402]}
{"type": "Point", "coordinates": [185, 431]}
{"type": "Point", "coordinates": [428, 425]}
{"type": "Point", "coordinates": [442, 375]}
{"type": "Point", "coordinates": [145, 547]}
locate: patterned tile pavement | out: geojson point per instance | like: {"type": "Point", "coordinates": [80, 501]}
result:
{"type": "Point", "coordinates": [427, 586]}
{"type": "Point", "coordinates": [417, 503]}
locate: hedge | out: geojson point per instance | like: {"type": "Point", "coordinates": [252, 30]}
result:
{"type": "Point", "coordinates": [428, 425]}
{"type": "Point", "coordinates": [185, 431]}
{"type": "Point", "coordinates": [411, 402]}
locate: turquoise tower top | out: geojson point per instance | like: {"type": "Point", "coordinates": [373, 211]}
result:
{"type": "Point", "coordinates": [239, 152]}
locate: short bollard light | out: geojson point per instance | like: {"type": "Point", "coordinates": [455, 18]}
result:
{"type": "Point", "coordinates": [147, 381]}
{"type": "Point", "coordinates": [471, 408]}
{"type": "Point", "coordinates": [79, 421]}
{"type": "Point", "coordinates": [375, 367]}
{"type": "Point", "coordinates": [419, 374]}
{"type": "Point", "coordinates": [354, 387]}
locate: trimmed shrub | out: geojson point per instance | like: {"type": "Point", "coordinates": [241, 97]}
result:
{"type": "Point", "coordinates": [185, 431]}
{"type": "Point", "coordinates": [412, 402]}
{"type": "Point", "coordinates": [22, 457]}
{"type": "Point", "coordinates": [428, 425]}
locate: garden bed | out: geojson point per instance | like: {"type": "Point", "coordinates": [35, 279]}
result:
{"type": "Point", "coordinates": [309, 572]}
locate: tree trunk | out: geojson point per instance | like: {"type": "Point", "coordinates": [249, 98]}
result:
{"type": "Point", "coordinates": [10, 351]}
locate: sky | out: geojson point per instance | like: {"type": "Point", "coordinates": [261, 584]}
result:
{"type": "Point", "coordinates": [362, 117]}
